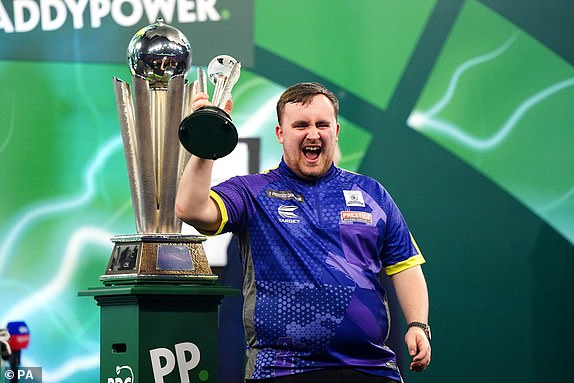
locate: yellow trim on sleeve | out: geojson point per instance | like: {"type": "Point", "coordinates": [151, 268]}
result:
{"type": "Point", "coordinates": [415, 260]}
{"type": "Point", "coordinates": [222, 209]}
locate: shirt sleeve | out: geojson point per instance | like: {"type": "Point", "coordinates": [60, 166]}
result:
{"type": "Point", "coordinates": [231, 197]}
{"type": "Point", "coordinates": [400, 250]}
{"type": "Point", "coordinates": [414, 260]}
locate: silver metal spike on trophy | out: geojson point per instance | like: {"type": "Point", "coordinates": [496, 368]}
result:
{"type": "Point", "coordinates": [159, 57]}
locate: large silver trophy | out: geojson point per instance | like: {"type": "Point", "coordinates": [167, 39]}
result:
{"type": "Point", "coordinates": [159, 57]}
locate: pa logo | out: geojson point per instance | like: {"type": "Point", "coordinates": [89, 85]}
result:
{"type": "Point", "coordinates": [119, 379]}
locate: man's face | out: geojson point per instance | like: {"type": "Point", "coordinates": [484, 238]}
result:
{"type": "Point", "coordinates": [309, 135]}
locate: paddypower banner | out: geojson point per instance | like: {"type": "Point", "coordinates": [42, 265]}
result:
{"type": "Point", "coordinates": [100, 30]}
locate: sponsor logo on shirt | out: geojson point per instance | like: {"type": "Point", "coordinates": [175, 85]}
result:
{"type": "Point", "coordinates": [357, 216]}
{"type": "Point", "coordinates": [284, 195]}
{"type": "Point", "coordinates": [287, 213]}
{"type": "Point", "coordinates": [354, 198]}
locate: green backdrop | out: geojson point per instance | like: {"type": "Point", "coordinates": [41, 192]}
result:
{"type": "Point", "coordinates": [462, 109]}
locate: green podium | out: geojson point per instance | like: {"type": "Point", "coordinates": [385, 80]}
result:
{"type": "Point", "coordinates": [158, 311]}
{"type": "Point", "coordinates": [158, 332]}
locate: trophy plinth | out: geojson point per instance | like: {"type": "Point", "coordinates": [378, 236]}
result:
{"type": "Point", "coordinates": [158, 258]}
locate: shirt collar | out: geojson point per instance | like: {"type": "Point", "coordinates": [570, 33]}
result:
{"type": "Point", "coordinates": [286, 170]}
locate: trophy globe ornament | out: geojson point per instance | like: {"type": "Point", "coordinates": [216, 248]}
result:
{"type": "Point", "coordinates": [159, 52]}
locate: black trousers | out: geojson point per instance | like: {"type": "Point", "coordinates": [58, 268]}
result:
{"type": "Point", "coordinates": [331, 375]}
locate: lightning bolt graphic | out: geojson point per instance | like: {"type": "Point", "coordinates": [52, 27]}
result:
{"type": "Point", "coordinates": [426, 119]}
{"type": "Point", "coordinates": [443, 102]}
{"type": "Point", "coordinates": [429, 121]}
{"type": "Point", "coordinates": [8, 137]}
{"type": "Point", "coordinates": [488, 143]}
{"type": "Point", "coordinates": [57, 284]}
{"type": "Point", "coordinates": [45, 210]}
{"type": "Point", "coordinates": [41, 299]}
{"type": "Point", "coordinates": [68, 369]}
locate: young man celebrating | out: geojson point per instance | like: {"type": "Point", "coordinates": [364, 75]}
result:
{"type": "Point", "coordinates": [314, 240]}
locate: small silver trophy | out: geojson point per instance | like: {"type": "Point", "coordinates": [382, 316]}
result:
{"type": "Point", "coordinates": [209, 131]}
{"type": "Point", "coordinates": [159, 57]}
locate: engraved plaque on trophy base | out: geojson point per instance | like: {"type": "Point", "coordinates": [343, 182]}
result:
{"type": "Point", "coordinates": [158, 258]}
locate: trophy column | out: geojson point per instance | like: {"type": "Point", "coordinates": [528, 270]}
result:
{"type": "Point", "coordinates": [159, 303]}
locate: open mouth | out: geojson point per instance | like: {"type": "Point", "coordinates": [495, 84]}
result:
{"type": "Point", "coordinates": [312, 152]}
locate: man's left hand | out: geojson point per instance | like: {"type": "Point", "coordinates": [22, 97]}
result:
{"type": "Point", "coordinates": [419, 348]}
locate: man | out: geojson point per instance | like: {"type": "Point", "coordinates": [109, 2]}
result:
{"type": "Point", "coordinates": [314, 239]}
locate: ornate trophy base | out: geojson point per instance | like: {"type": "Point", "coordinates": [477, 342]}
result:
{"type": "Point", "coordinates": [158, 258]}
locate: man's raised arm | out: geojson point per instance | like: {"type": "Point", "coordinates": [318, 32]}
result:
{"type": "Point", "coordinates": [193, 204]}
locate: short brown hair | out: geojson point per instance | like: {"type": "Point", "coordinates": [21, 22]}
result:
{"type": "Point", "coordinates": [304, 92]}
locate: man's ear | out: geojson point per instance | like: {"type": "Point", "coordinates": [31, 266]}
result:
{"type": "Point", "coordinates": [279, 133]}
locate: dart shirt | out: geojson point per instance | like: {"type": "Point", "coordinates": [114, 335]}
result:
{"type": "Point", "coordinates": [313, 253]}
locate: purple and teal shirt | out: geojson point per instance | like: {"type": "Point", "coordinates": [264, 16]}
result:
{"type": "Point", "coordinates": [313, 253]}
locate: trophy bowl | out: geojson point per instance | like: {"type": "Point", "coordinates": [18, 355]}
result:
{"type": "Point", "coordinates": [209, 131]}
